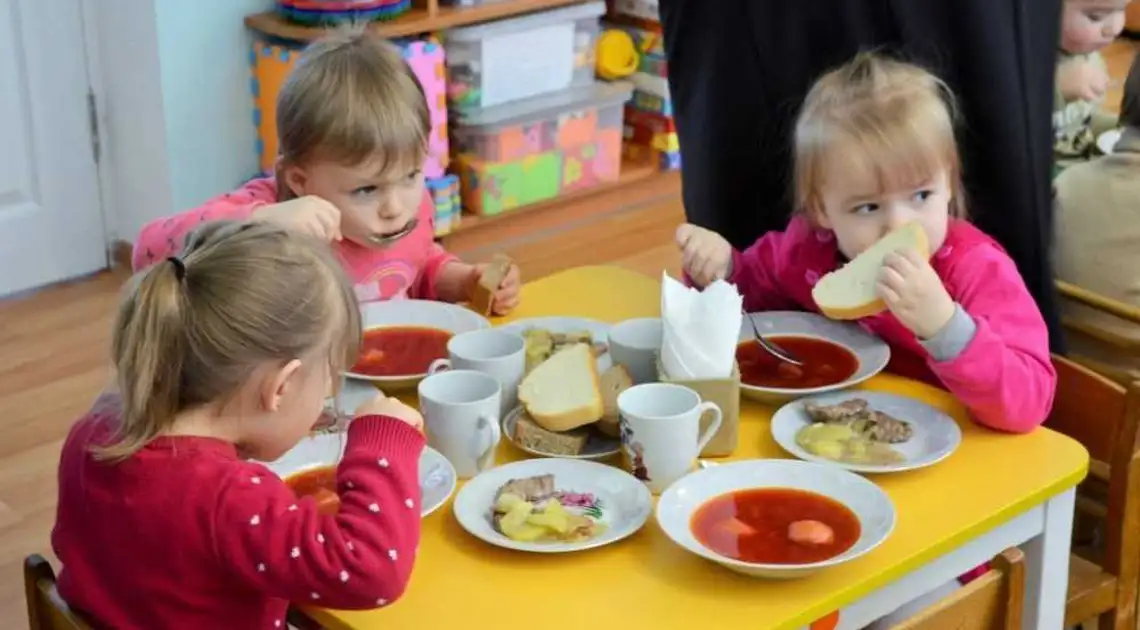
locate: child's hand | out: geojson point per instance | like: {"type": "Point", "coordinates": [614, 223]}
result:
{"type": "Point", "coordinates": [1080, 80]}
{"type": "Point", "coordinates": [382, 405]}
{"type": "Point", "coordinates": [506, 297]}
{"type": "Point", "coordinates": [915, 293]}
{"type": "Point", "coordinates": [705, 255]}
{"type": "Point", "coordinates": [308, 215]}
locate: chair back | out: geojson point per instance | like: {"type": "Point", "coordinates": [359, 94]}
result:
{"type": "Point", "coordinates": [1096, 345]}
{"type": "Point", "coordinates": [46, 609]}
{"type": "Point", "coordinates": [993, 601]}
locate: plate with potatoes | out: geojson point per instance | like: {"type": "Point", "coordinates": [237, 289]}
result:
{"type": "Point", "coordinates": [553, 505]}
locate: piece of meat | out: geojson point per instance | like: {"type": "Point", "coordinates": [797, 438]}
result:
{"type": "Point", "coordinates": [885, 428]}
{"type": "Point", "coordinates": [841, 413]}
{"type": "Point", "coordinates": [810, 533]}
{"type": "Point", "coordinates": [529, 489]}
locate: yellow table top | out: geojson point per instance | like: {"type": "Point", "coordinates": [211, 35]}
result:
{"type": "Point", "coordinates": [648, 582]}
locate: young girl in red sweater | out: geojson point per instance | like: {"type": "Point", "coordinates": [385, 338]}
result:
{"type": "Point", "coordinates": [223, 353]}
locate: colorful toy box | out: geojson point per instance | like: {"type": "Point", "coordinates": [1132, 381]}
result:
{"type": "Point", "coordinates": [336, 12]}
{"type": "Point", "coordinates": [271, 62]}
{"type": "Point", "coordinates": [508, 60]}
{"type": "Point", "coordinates": [650, 46]}
{"type": "Point", "coordinates": [537, 149]}
{"type": "Point", "coordinates": [444, 193]}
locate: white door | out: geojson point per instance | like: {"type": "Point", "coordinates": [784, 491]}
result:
{"type": "Point", "coordinates": [51, 227]}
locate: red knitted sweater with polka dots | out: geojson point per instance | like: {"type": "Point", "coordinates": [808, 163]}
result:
{"type": "Point", "coordinates": [186, 534]}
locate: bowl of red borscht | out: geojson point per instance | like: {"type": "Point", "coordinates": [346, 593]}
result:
{"type": "Point", "coordinates": [403, 337]}
{"type": "Point", "coordinates": [776, 518]}
{"type": "Point", "coordinates": [835, 356]}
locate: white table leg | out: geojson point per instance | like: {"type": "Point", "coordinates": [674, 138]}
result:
{"type": "Point", "coordinates": [1047, 564]}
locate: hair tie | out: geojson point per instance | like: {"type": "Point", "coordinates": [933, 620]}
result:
{"type": "Point", "coordinates": [179, 267]}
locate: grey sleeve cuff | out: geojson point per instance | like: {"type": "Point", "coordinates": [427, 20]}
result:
{"type": "Point", "coordinates": [949, 342]}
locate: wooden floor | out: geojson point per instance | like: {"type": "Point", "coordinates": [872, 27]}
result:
{"type": "Point", "coordinates": [54, 350]}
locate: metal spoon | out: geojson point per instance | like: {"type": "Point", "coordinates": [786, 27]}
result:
{"type": "Point", "coordinates": [770, 347]}
{"type": "Point", "coordinates": [380, 240]}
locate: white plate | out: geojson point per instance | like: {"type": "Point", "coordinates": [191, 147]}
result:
{"type": "Point", "coordinates": [426, 313]}
{"type": "Point", "coordinates": [1106, 141]}
{"type": "Point", "coordinates": [599, 446]}
{"type": "Point", "coordinates": [437, 475]}
{"type": "Point", "coordinates": [624, 502]}
{"type": "Point", "coordinates": [599, 330]}
{"type": "Point", "coordinates": [873, 353]}
{"type": "Point", "coordinates": [872, 506]}
{"type": "Point", "coordinates": [935, 437]}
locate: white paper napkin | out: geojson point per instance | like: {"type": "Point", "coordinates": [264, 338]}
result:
{"type": "Point", "coordinates": [701, 329]}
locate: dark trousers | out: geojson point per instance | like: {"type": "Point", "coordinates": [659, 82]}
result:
{"type": "Point", "coordinates": [739, 70]}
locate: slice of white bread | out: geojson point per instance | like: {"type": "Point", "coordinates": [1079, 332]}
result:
{"type": "Point", "coordinates": [562, 392]}
{"type": "Point", "coordinates": [613, 381]}
{"type": "Point", "coordinates": [849, 292]}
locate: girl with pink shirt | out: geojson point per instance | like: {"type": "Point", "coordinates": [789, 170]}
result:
{"type": "Point", "coordinates": [354, 128]}
{"type": "Point", "coordinates": [874, 150]}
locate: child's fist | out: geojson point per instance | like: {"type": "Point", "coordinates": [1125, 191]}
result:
{"type": "Point", "coordinates": [914, 293]}
{"type": "Point", "coordinates": [705, 255]}
{"type": "Point", "coordinates": [1081, 80]}
{"type": "Point", "coordinates": [382, 405]}
{"type": "Point", "coordinates": [308, 215]}
{"type": "Point", "coordinates": [505, 297]}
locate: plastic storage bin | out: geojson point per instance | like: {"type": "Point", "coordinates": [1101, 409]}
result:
{"type": "Point", "coordinates": [270, 64]}
{"type": "Point", "coordinates": [495, 63]}
{"type": "Point", "coordinates": [533, 150]}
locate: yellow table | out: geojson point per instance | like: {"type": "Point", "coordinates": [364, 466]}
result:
{"type": "Point", "coordinates": [995, 491]}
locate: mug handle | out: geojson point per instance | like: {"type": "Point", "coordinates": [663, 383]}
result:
{"type": "Point", "coordinates": [439, 365]}
{"type": "Point", "coordinates": [487, 439]}
{"type": "Point", "coordinates": [714, 426]}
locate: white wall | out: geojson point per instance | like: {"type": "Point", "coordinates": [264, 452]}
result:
{"type": "Point", "coordinates": [176, 109]}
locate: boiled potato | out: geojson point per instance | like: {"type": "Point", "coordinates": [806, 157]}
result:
{"type": "Point", "coordinates": [552, 516]}
{"type": "Point", "coordinates": [515, 519]}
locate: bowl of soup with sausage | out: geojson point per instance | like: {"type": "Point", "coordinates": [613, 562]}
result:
{"type": "Point", "coordinates": [403, 337]}
{"type": "Point", "coordinates": [835, 355]}
{"type": "Point", "coordinates": [776, 518]}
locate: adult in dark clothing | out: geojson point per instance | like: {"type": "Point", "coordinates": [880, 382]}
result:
{"type": "Point", "coordinates": [739, 70]}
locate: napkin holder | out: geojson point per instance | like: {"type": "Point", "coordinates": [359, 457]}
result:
{"type": "Point", "coordinates": [725, 392]}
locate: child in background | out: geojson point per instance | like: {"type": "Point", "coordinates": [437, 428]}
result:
{"type": "Point", "coordinates": [874, 150]}
{"type": "Point", "coordinates": [354, 127]}
{"type": "Point", "coordinates": [228, 351]}
{"type": "Point", "coordinates": [1087, 26]}
{"type": "Point", "coordinates": [1098, 229]}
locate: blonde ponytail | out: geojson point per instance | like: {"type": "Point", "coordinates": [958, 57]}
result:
{"type": "Point", "coordinates": [191, 329]}
{"type": "Point", "coordinates": [147, 347]}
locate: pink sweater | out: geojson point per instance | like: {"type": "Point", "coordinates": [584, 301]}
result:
{"type": "Point", "coordinates": [1003, 372]}
{"type": "Point", "coordinates": [407, 268]}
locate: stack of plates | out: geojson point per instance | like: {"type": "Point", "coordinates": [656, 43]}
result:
{"type": "Point", "coordinates": [332, 12]}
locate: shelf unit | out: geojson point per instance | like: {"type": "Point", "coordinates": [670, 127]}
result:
{"type": "Point", "coordinates": [639, 182]}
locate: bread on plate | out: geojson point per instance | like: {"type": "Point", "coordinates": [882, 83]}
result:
{"type": "Point", "coordinates": [562, 393]}
{"type": "Point", "coordinates": [613, 381]}
{"type": "Point", "coordinates": [849, 292]}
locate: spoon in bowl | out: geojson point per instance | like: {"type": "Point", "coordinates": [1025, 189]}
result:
{"type": "Point", "coordinates": [769, 347]}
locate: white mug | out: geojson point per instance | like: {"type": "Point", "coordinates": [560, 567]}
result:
{"type": "Point", "coordinates": [634, 345]}
{"type": "Point", "coordinates": [660, 431]}
{"type": "Point", "coordinates": [461, 418]}
{"type": "Point", "coordinates": [498, 353]}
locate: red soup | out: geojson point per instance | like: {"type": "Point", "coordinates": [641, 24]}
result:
{"type": "Point", "coordinates": [824, 363]}
{"type": "Point", "coordinates": [400, 350]}
{"type": "Point", "coordinates": [753, 526]}
{"type": "Point", "coordinates": [319, 483]}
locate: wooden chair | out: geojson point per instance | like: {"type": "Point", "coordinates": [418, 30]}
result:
{"type": "Point", "coordinates": [993, 601]}
{"type": "Point", "coordinates": [1104, 417]}
{"type": "Point", "coordinates": [1083, 330]}
{"type": "Point", "coordinates": [46, 609]}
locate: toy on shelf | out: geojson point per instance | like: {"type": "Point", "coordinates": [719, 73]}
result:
{"type": "Point", "coordinates": [444, 193]}
{"type": "Point", "coordinates": [537, 149]}
{"type": "Point", "coordinates": [270, 64]}
{"type": "Point", "coordinates": [335, 12]}
{"type": "Point", "coordinates": [508, 60]}
{"type": "Point", "coordinates": [617, 55]}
